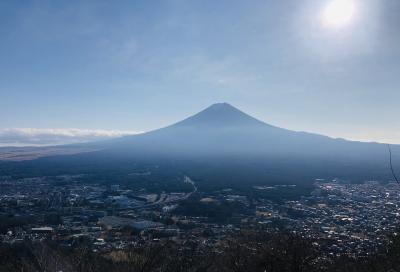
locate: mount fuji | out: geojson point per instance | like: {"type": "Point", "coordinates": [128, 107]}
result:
{"type": "Point", "coordinates": [222, 130]}
{"type": "Point", "coordinates": [222, 142]}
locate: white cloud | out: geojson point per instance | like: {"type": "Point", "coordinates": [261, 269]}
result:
{"type": "Point", "coordinates": [55, 136]}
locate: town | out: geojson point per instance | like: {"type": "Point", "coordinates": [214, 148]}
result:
{"type": "Point", "coordinates": [342, 219]}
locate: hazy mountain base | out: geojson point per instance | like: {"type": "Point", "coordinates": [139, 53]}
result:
{"type": "Point", "coordinates": [210, 173]}
{"type": "Point", "coordinates": [252, 250]}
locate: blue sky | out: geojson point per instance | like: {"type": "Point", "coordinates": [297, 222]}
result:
{"type": "Point", "coordinates": [139, 65]}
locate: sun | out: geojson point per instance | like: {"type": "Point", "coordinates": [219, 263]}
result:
{"type": "Point", "coordinates": [338, 13]}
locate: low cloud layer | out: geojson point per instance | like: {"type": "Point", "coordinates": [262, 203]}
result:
{"type": "Point", "coordinates": [45, 137]}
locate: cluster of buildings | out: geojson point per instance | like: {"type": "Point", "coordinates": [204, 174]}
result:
{"type": "Point", "coordinates": [342, 218]}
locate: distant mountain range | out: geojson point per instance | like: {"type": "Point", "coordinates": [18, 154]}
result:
{"type": "Point", "coordinates": [222, 135]}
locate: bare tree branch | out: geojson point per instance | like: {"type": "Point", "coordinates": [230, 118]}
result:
{"type": "Point", "coordinates": [391, 165]}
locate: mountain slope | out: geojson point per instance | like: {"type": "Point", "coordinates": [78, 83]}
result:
{"type": "Point", "coordinates": [223, 144]}
{"type": "Point", "coordinates": [222, 130]}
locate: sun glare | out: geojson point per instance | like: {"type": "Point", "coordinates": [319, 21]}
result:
{"type": "Point", "coordinates": [338, 13]}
